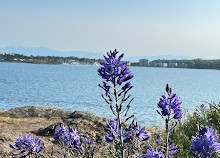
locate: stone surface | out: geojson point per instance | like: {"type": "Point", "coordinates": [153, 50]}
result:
{"type": "Point", "coordinates": [43, 121]}
{"type": "Point", "coordinates": [37, 111]}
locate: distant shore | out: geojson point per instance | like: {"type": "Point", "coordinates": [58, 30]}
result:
{"type": "Point", "coordinates": [57, 63]}
{"type": "Point", "coordinates": [57, 60]}
{"type": "Point", "coordinates": [43, 62]}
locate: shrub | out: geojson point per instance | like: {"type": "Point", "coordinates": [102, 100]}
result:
{"type": "Point", "coordinates": [205, 117]}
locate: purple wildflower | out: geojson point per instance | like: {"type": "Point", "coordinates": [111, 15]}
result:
{"type": "Point", "coordinates": [114, 70]}
{"type": "Point", "coordinates": [159, 141]}
{"type": "Point", "coordinates": [75, 138]}
{"type": "Point", "coordinates": [107, 88]}
{"type": "Point", "coordinates": [126, 86]}
{"type": "Point", "coordinates": [124, 79]}
{"type": "Point", "coordinates": [206, 143]}
{"type": "Point", "coordinates": [60, 131]}
{"type": "Point", "coordinates": [157, 153]}
{"type": "Point", "coordinates": [170, 104]}
{"type": "Point", "coordinates": [141, 133]}
{"type": "Point", "coordinates": [28, 145]}
{"type": "Point", "coordinates": [116, 73]}
{"type": "Point", "coordinates": [70, 138]}
{"type": "Point", "coordinates": [113, 132]}
{"type": "Point", "coordinates": [73, 143]}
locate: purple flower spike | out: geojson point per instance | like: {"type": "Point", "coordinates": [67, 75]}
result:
{"type": "Point", "coordinates": [116, 75]}
{"type": "Point", "coordinates": [170, 104]}
{"type": "Point", "coordinates": [115, 71]}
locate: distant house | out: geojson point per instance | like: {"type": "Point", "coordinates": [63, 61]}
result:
{"type": "Point", "coordinates": [70, 61]}
{"type": "Point", "coordinates": [143, 62]}
{"type": "Point", "coordinates": [164, 64]}
{"type": "Point", "coordinates": [172, 64]}
{"type": "Point", "coordinates": [159, 64]}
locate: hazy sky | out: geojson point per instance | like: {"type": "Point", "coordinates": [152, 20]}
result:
{"type": "Point", "coordinates": [135, 27]}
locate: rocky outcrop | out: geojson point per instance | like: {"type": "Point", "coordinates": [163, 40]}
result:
{"type": "Point", "coordinates": [37, 111]}
{"type": "Point", "coordinates": [87, 119]}
{"type": "Point", "coordinates": [43, 121]}
{"type": "Point", "coordinates": [89, 125]}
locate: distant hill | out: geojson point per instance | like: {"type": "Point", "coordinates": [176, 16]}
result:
{"type": "Point", "coordinates": [41, 51]}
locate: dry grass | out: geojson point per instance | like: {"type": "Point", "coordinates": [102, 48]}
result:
{"type": "Point", "coordinates": [8, 120]}
{"type": "Point", "coordinates": [11, 120]}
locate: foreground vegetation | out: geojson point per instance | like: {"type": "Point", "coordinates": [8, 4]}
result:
{"type": "Point", "coordinates": [196, 136]}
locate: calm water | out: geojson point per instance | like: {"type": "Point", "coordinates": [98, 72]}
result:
{"type": "Point", "coordinates": [76, 88]}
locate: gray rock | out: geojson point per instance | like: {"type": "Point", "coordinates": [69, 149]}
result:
{"type": "Point", "coordinates": [89, 125]}
{"type": "Point", "coordinates": [4, 147]}
{"type": "Point", "coordinates": [37, 111]}
{"type": "Point", "coordinates": [85, 117]}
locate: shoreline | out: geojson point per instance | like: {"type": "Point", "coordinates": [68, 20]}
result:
{"type": "Point", "coordinates": [45, 63]}
{"type": "Point", "coordinates": [51, 63]}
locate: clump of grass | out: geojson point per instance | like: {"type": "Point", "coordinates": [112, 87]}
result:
{"type": "Point", "coordinates": [11, 120]}
{"type": "Point", "coordinates": [7, 120]}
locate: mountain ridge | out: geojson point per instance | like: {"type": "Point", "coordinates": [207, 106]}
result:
{"type": "Point", "coordinates": [42, 51]}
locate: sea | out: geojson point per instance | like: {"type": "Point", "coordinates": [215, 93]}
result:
{"type": "Point", "coordinates": [75, 88]}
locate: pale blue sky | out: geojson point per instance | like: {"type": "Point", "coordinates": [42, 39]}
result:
{"type": "Point", "coordinates": [136, 27]}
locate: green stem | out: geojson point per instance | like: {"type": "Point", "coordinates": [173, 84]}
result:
{"type": "Point", "coordinates": [167, 136]}
{"type": "Point", "coordinates": [119, 121]}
